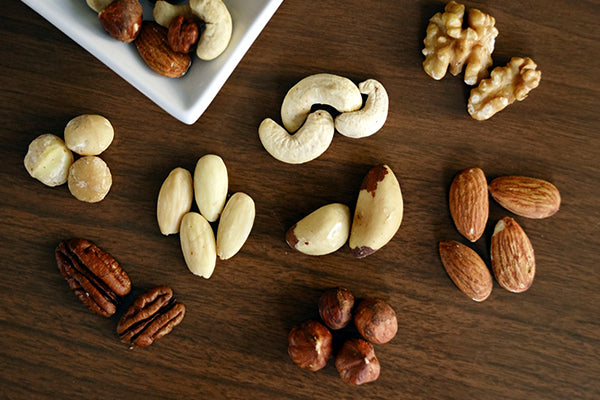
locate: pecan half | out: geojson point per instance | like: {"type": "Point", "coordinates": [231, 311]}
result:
{"type": "Point", "coordinates": [95, 276]}
{"type": "Point", "coordinates": [151, 316]}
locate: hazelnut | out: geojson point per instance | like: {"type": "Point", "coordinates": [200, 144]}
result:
{"type": "Point", "coordinates": [335, 307]}
{"type": "Point", "coordinates": [122, 19]}
{"type": "Point", "coordinates": [182, 34]}
{"type": "Point", "coordinates": [310, 345]}
{"type": "Point", "coordinates": [356, 362]}
{"type": "Point", "coordinates": [376, 321]}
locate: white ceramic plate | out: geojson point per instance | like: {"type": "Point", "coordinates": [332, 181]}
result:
{"type": "Point", "coordinates": [184, 98]}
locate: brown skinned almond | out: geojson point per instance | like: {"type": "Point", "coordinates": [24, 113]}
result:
{"type": "Point", "coordinates": [469, 204]}
{"type": "Point", "coordinates": [513, 260]}
{"type": "Point", "coordinates": [466, 269]}
{"type": "Point", "coordinates": [524, 196]}
{"type": "Point", "coordinates": [153, 45]}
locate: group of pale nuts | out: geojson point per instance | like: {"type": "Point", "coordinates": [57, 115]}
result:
{"type": "Point", "coordinates": [511, 253]}
{"type": "Point", "coordinates": [50, 160]}
{"type": "Point", "coordinates": [164, 43]}
{"type": "Point", "coordinates": [306, 134]}
{"type": "Point", "coordinates": [310, 344]}
{"type": "Point", "coordinates": [377, 217]}
{"type": "Point", "coordinates": [209, 189]}
{"type": "Point", "coordinates": [448, 45]}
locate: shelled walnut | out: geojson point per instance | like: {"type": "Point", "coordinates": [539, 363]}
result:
{"type": "Point", "coordinates": [505, 85]}
{"type": "Point", "coordinates": [448, 45]}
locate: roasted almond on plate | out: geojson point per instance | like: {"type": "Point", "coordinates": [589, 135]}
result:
{"type": "Point", "coordinates": [153, 45]}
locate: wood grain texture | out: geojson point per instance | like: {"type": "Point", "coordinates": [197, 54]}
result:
{"type": "Point", "coordinates": [232, 343]}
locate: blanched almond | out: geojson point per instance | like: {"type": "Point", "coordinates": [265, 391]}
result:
{"type": "Point", "coordinates": [210, 186]}
{"type": "Point", "coordinates": [174, 200]}
{"type": "Point", "coordinates": [235, 225]}
{"type": "Point", "coordinates": [198, 244]}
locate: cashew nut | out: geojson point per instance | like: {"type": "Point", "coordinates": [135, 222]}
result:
{"type": "Point", "coordinates": [217, 34]}
{"type": "Point", "coordinates": [164, 12]}
{"type": "Point", "coordinates": [371, 117]}
{"type": "Point", "coordinates": [98, 5]}
{"type": "Point", "coordinates": [333, 90]}
{"type": "Point", "coordinates": [308, 143]}
{"type": "Point", "coordinates": [214, 13]}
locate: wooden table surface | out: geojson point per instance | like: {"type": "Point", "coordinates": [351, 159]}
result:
{"type": "Point", "coordinates": [232, 343]}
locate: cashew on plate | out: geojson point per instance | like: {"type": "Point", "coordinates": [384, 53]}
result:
{"type": "Point", "coordinates": [314, 131]}
{"type": "Point", "coordinates": [98, 5]}
{"type": "Point", "coordinates": [214, 13]}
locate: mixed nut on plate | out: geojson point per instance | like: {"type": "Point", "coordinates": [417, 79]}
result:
{"type": "Point", "coordinates": [165, 42]}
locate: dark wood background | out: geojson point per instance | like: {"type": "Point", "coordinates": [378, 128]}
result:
{"type": "Point", "coordinates": [232, 343]}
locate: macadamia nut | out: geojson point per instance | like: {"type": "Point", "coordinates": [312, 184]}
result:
{"type": "Point", "coordinates": [48, 160]}
{"type": "Point", "coordinates": [89, 134]}
{"type": "Point", "coordinates": [89, 179]}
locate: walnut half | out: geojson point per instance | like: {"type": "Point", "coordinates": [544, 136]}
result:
{"type": "Point", "coordinates": [505, 85]}
{"type": "Point", "coordinates": [448, 45]}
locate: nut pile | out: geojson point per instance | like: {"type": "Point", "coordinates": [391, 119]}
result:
{"type": "Point", "coordinates": [164, 43]}
{"type": "Point", "coordinates": [306, 134]}
{"type": "Point", "coordinates": [101, 284]}
{"type": "Point", "coordinates": [377, 217]}
{"type": "Point", "coordinates": [448, 45]}
{"type": "Point", "coordinates": [310, 344]}
{"type": "Point", "coordinates": [209, 189]}
{"type": "Point", "coordinates": [512, 255]}
{"type": "Point", "coordinates": [50, 160]}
